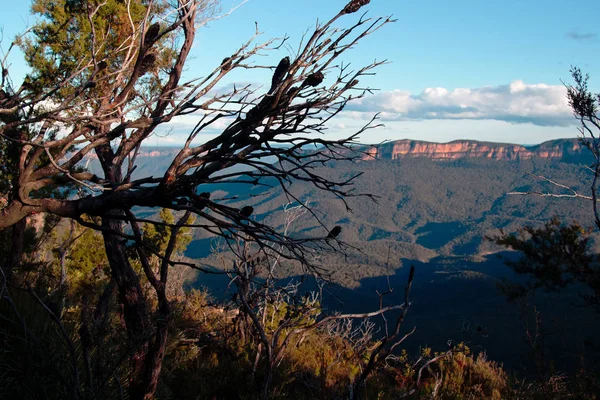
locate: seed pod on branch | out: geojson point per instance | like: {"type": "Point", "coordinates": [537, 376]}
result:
{"type": "Point", "coordinates": [147, 63]}
{"type": "Point", "coordinates": [183, 201]}
{"type": "Point", "coordinates": [411, 274]}
{"type": "Point", "coordinates": [246, 211]}
{"type": "Point", "coordinates": [280, 73]}
{"type": "Point", "coordinates": [354, 6]}
{"type": "Point", "coordinates": [334, 232]}
{"type": "Point", "coordinates": [102, 65]}
{"type": "Point", "coordinates": [226, 64]}
{"type": "Point", "coordinates": [199, 200]}
{"type": "Point", "coordinates": [151, 34]}
{"type": "Point", "coordinates": [313, 79]}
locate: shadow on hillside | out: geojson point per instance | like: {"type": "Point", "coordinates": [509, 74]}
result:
{"type": "Point", "coordinates": [457, 300]}
{"type": "Point", "coordinates": [435, 235]}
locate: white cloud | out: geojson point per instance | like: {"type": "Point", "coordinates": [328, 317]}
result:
{"type": "Point", "coordinates": [517, 112]}
{"type": "Point", "coordinates": [517, 102]}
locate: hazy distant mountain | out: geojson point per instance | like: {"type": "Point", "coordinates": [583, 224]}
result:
{"type": "Point", "coordinates": [153, 161]}
{"type": "Point", "coordinates": [436, 204]}
{"type": "Point", "coordinates": [433, 198]}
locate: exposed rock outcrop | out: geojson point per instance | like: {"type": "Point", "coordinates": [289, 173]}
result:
{"type": "Point", "coordinates": [562, 149]}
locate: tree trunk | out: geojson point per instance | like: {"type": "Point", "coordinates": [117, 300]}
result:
{"type": "Point", "coordinates": [15, 256]}
{"type": "Point", "coordinates": [154, 360]}
{"type": "Point", "coordinates": [147, 344]}
{"type": "Point", "coordinates": [135, 311]}
{"type": "Point", "coordinates": [264, 393]}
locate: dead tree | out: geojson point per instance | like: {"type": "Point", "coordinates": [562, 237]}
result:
{"type": "Point", "coordinates": [108, 114]}
{"type": "Point", "coordinates": [278, 315]}
{"type": "Point", "coordinates": [261, 301]}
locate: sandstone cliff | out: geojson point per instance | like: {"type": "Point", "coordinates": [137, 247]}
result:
{"type": "Point", "coordinates": [569, 150]}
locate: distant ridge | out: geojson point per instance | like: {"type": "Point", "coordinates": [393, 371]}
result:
{"type": "Point", "coordinates": [566, 150]}
{"type": "Point", "coordinates": [154, 160]}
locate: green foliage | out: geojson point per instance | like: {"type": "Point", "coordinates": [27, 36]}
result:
{"type": "Point", "coordinates": [553, 256]}
{"type": "Point", "coordinates": [207, 360]}
{"type": "Point", "coordinates": [584, 103]}
{"type": "Point", "coordinates": [584, 385]}
{"type": "Point", "coordinates": [88, 254]}
{"type": "Point", "coordinates": [157, 235]}
{"type": "Point", "coordinates": [9, 154]}
{"type": "Point", "coordinates": [87, 265]}
{"type": "Point", "coordinates": [62, 38]}
{"type": "Point", "coordinates": [466, 376]}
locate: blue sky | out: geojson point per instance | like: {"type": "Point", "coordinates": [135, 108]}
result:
{"type": "Point", "coordinates": [459, 69]}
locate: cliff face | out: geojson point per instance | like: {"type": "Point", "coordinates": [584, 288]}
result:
{"type": "Point", "coordinates": [154, 161]}
{"type": "Point", "coordinates": [562, 149]}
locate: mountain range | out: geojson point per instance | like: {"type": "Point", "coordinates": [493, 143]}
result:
{"type": "Point", "coordinates": [154, 160]}
{"type": "Point", "coordinates": [567, 150]}
{"type": "Point", "coordinates": [432, 199]}
{"type": "Point", "coordinates": [436, 204]}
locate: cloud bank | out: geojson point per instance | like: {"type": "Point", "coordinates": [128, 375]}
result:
{"type": "Point", "coordinates": [516, 113]}
{"type": "Point", "coordinates": [517, 102]}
